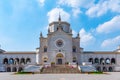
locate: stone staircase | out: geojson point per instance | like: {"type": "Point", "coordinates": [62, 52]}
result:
{"type": "Point", "coordinates": [59, 69]}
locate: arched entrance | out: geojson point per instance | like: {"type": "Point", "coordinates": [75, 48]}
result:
{"type": "Point", "coordinates": [110, 69]}
{"type": "Point", "coordinates": [14, 69]}
{"type": "Point", "coordinates": [8, 69]}
{"type": "Point", "coordinates": [59, 58]}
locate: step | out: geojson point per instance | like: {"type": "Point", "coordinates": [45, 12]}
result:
{"type": "Point", "coordinates": [60, 69]}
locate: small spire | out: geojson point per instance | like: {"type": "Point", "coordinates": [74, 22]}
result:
{"type": "Point", "coordinates": [59, 19]}
{"type": "Point", "coordinates": [41, 34]}
{"type": "Point", "coordinates": [78, 35]}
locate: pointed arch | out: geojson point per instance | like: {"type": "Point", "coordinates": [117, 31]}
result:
{"type": "Point", "coordinates": [11, 61]}
{"type": "Point", "coordinates": [96, 60]}
{"type": "Point", "coordinates": [107, 61]}
{"type": "Point", "coordinates": [91, 60]}
{"type": "Point", "coordinates": [102, 61]}
{"type": "Point", "coordinates": [113, 61]}
{"type": "Point", "coordinates": [28, 60]}
{"type": "Point", "coordinates": [5, 61]}
{"type": "Point", "coordinates": [22, 60]}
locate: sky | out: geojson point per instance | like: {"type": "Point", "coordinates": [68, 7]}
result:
{"type": "Point", "coordinates": [97, 22]}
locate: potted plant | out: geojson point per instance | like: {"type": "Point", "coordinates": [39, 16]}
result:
{"type": "Point", "coordinates": [52, 63]}
{"type": "Point", "coordinates": [66, 63]}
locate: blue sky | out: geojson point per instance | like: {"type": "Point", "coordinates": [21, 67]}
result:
{"type": "Point", "coordinates": [97, 21]}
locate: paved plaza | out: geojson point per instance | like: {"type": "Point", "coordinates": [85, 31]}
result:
{"type": "Point", "coordinates": [109, 76]}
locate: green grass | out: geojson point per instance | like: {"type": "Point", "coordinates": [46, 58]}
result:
{"type": "Point", "coordinates": [24, 73]}
{"type": "Point", "coordinates": [97, 72]}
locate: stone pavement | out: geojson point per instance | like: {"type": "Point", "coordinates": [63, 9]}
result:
{"type": "Point", "coordinates": [109, 76]}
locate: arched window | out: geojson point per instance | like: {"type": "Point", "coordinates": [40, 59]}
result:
{"type": "Point", "coordinates": [22, 61]}
{"type": "Point", "coordinates": [16, 60]}
{"type": "Point", "coordinates": [113, 61]}
{"type": "Point", "coordinates": [107, 61]}
{"type": "Point", "coordinates": [96, 60]}
{"type": "Point", "coordinates": [74, 49]}
{"type": "Point", "coordinates": [45, 49]}
{"type": "Point", "coordinates": [102, 61]}
{"type": "Point", "coordinates": [28, 60]}
{"type": "Point", "coordinates": [91, 60]}
{"type": "Point", "coordinates": [11, 61]}
{"type": "Point", "coordinates": [5, 61]}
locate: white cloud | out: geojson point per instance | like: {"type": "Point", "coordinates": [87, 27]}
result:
{"type": "Point", "coordinates": [98, 9]}
{"type": "Point", "coordinates": [86, 38]}
{"type": "Point", "coordinates": [111, 42]}
{"type": "Point", "coordinates": [74, 33]}
{"type": "Point", "coordinates": [114, 5]}
{"type": "Point", "coordinates": [76, 5]}
{"type": "Point", "coordinates": [54, 14]}
{"type": "Point", "coordinates": [109, 26]}
{"type": "Point", "coordinates": [103, 7]}
{"type": "Point", "coordinates": [41, 2]}
{"type": "Point", "coordinates": [76, 11]}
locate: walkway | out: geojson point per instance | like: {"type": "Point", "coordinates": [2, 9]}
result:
{"type": "Point", "coordinates": [109, 76]}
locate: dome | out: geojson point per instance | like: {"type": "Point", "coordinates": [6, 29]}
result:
{"type": "Point", "coordinates": [54, 26]}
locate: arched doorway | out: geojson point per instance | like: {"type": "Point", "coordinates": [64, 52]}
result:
{"type": "Point", "coordinates": [98, 68]}
{"type": "Point", "coordinates": [59, 58]}
{"type": "Point", "coordinates": [104, 69]}
{"type": "Point", "coordinates": [8, 69]}
{"type": "Point", "coordinates": [110, 69]}
{"type": "Point", "coordinates": [14, 69]}
{"type": "Point", "coordinates": [20, 69]}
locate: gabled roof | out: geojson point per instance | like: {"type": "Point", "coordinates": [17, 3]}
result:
{"type": "Point", "coordinates": [31, 52]}
{"type": "Point", "coordinates": [101, 52]}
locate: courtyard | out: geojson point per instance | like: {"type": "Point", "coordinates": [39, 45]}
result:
{"type": "Point", "coordinates": [108, 76]}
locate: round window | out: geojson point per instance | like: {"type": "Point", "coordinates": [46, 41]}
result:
{"type": "Point", "coordinates": [59, 43]}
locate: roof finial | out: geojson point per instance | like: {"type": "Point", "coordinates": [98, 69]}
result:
{"type": "Point", "coordinates": [41, 34]}
{"type": "Point", "coordinates": [59, 19]}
